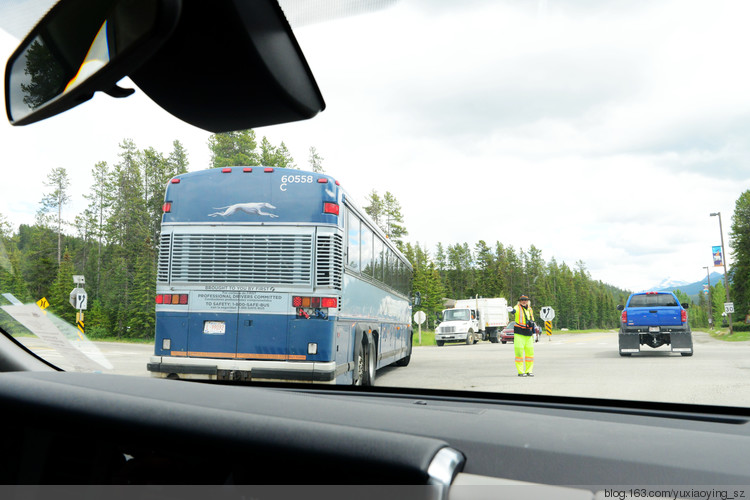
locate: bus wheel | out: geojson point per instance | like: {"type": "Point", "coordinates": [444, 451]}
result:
{"type": "Point", "coordinates": [371, 365]}
{"type": "Point", "coordinates": [405, 360]}
{"type": "Point", "coordinates": [358, 376]}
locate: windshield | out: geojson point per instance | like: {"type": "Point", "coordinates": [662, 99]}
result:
{"type": "Point", "coordinates": [469, 151]}
{"type": "Point", "coordinates": [457, 315]}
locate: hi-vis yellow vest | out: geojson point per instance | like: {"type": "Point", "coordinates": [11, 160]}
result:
{"type": "Point", "coordinates": [523, 315]}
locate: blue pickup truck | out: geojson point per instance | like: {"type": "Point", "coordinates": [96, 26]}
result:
{"type": "Point", "coordinates": [654, 319]}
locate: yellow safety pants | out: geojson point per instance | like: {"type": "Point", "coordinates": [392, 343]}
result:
{"type": "Point", "coordinates": [524, 348]}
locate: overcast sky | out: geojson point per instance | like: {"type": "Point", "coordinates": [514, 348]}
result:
{"type": "Point", "coordinates": [598, 131]}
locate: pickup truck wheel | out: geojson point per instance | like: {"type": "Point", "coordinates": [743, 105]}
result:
{"type": "Point", "coordinates": [686, 353]}
{"type": "Point", "coordinates": [625, 353]}
{"type": "Point", "coordinates": [440, 343]}
{"type": "Point", "coordinates": [494, 340]}
{"type": "Point", "coordinates": [504, 341]}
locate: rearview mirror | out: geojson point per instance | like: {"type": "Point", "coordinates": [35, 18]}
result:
{"type": "Point", "coordinates": [220, 65]}
{"type": "Point", "coordinates": [80, 47]}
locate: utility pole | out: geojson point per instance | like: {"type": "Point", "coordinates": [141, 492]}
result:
{"type": "Point", "coordinates": [710, 304]}
{"type": "Point", "coordinates": [724, 260]}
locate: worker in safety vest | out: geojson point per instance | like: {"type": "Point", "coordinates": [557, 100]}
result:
{"type": "Point", "coordinates": [523, 337]}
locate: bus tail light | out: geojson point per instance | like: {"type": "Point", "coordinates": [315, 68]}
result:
{"type": "Point", "coordinates": [175, 181]}
{"type": "Point", "coordinates": [314, 302]}
{"type": "Point", "coordinates": [226, 170]}
{"type": "Point", "coordinates": [167, 207]}
{"type": "Point", "coordinates": [172, 298]}
{"type": "Point", "coordinates": [330, 208]}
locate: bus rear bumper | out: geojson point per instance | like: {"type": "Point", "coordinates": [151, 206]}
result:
{"type": "Point", "coordinates": [242, 370]}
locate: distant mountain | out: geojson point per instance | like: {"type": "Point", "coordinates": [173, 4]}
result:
{"type": "Point", "coordinates": [691, 289]}
{"type": "Point", "coordinates": [668, 284]}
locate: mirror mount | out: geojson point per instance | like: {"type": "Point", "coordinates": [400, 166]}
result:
{"type": "Point", "coordinates": [119, 92]}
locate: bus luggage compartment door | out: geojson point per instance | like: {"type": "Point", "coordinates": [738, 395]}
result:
{"type": "Point", "coordinates": [263, 326]}
{"type": "Point", "coordinates": [212, 327]}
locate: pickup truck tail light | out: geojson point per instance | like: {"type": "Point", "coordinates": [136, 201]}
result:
{"type": "Point", "coordinates": [624, 317]}
{"type": "Point", "coordinates": [683, 315]}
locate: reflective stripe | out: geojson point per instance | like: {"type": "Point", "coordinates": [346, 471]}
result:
{"type": "Point", "coordinates": [523, 315]}
{"type": "Point", "coordinates": [519, 360]}
{"type": "Point", "coordinates": [530, 359]}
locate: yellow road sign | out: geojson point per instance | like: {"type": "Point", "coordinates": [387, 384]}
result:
{"type": "Point", "coordinates": [42, 303]}
{"type": "Point", "coordinates": [548, 327]}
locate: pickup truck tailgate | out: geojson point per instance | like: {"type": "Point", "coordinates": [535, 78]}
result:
{"type": "Point", "coordinates": [654, 316]}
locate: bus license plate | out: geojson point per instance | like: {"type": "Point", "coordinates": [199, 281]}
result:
{"type": "Point", "coordinates": [214, 327]}
{"type": "Point", "coordinates": [653, 329]}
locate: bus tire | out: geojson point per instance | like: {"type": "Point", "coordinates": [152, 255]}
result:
{"type": "Point", "coordinates": [371, 363]}
{"type": "Point", "coordinates": [358, 375]}
{"type": "Point", "coordinates": [405, 360]}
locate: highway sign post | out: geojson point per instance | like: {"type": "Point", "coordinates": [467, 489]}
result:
{"type": "Point", "coordinates": [420, 317]}
{"type": "Point", "coordinates": [79, 300]}
{"type": "Point", "coordinates": [547, 314]}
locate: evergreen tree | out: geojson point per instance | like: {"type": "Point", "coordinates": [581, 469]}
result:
{"type": "Point", "coordinates": [315, 161]}
{"type": "Point", "coordinates": [177, 160]}
{"type": "Point", "coordinates": [59, 297]}
{"type": "Point", "coordinates": [739, 242]}
{"type": "Point", "coordinates": [394, 220]}
{"type": "Point", "coordinates": [231, 149]}
{"type": "Point", "coordinates": [374, 209]}
{"type": "Point", "coordinates": [54, 201]}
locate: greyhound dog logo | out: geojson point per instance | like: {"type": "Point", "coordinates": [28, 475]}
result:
{"type": "Point", "coordinates": [248, 208]}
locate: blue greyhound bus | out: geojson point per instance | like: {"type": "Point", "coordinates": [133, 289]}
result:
{"type": "Point", "coordinates": [275, 274]}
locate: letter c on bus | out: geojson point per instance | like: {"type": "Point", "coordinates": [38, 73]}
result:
{"type": "Point", "coordinates": [283, 187]}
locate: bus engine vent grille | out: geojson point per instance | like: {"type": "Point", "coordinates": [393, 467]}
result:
{"type": "Point", "coordinates": [330, 261]}
{"type": "Point", "coordinates": [283, 259]}
{"type": "Point", "coordinates": [162, 273]}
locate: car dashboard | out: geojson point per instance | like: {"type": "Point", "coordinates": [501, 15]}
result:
{"type": "Point", "coordinates": [74, 428]}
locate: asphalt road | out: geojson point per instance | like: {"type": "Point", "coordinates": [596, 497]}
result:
{"type": "Point", "coordinates": [586, 365]}
{"type": "Point", "coordinates": [578, 365]}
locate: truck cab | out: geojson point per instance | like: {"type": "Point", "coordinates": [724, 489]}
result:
{"type": "Point", "coordinates": [458, 325]}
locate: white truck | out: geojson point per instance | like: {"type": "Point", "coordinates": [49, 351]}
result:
{"type": "Point", "coordinates": [472, 320]}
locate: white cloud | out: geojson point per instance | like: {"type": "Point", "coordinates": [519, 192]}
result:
{"type": "Point", "coordinates": [609, 130]}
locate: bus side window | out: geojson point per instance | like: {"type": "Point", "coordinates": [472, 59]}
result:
{"type": "Point", "coordinates": [353, 243]}
{"type": "Point", "coordinates": [389, 262]}
{"type": "Point", "coordinates": [378, 259]}
{"type": "Point", "coordinates": [366, 248]}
